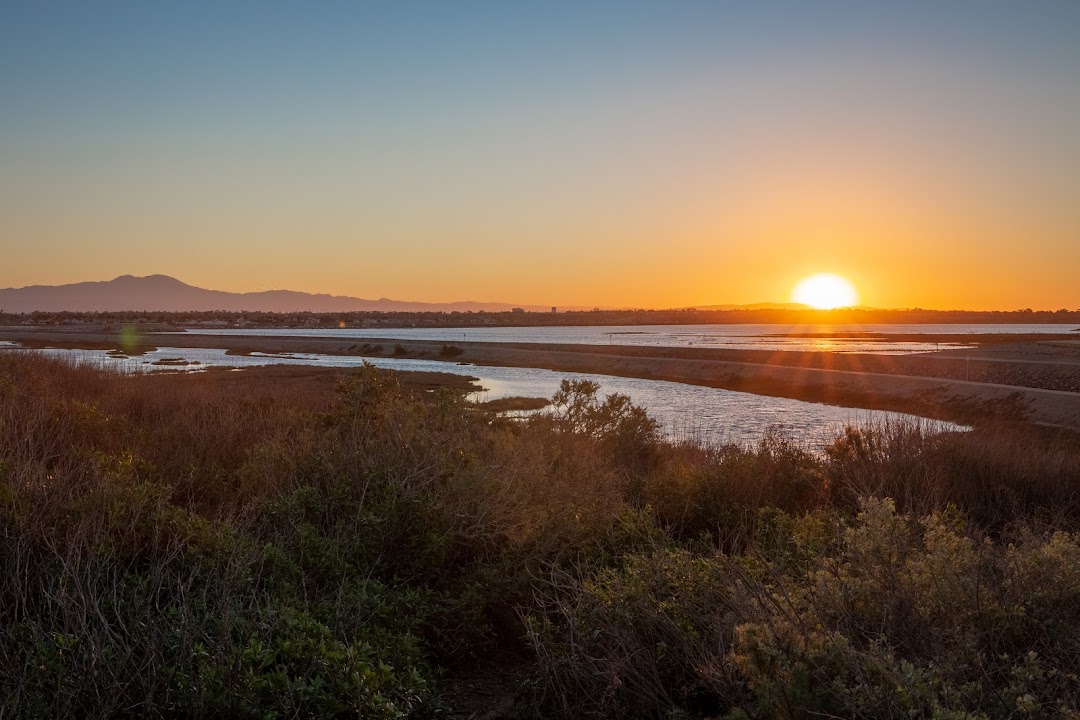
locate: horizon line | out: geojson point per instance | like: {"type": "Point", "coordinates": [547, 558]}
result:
{"type": "Point", "coordinates": [531, 307]}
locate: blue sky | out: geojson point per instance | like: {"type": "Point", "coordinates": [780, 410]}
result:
{"type": "Point", "coordinates": [609, 153]}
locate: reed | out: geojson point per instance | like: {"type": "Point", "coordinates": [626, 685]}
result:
{"type": "Point", "coordinates": [214, 544]}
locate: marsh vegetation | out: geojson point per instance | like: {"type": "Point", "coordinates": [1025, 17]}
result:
{"type": "Point", "coordinates": [209, 546]}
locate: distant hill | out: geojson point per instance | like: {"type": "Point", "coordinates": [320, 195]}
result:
{"type": "Point", "coordinates": [162, 293]}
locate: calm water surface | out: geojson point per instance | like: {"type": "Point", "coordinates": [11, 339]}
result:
{"type": "Point", "coordinates": [708, 415]}
{"type": "Point", "coordinates": [732, 337]}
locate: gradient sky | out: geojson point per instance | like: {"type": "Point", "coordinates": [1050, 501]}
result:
{"type": "Point", "coordinates": [603, 153]}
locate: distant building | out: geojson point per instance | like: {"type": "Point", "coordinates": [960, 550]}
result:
{"type": "Point", "coordinates": [554, 310]}
{"type": "Point", "coordinates": [517, 310]}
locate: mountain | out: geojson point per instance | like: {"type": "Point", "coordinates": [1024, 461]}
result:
{"type": "Point", "coordinates": [164, 294]}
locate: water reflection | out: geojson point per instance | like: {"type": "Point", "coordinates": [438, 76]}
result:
{"type": "Point", "coordinates": [705, 414]}
{"type": "Point", "coordinates": [835, 338]}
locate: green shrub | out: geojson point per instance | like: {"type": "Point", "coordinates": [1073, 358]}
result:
{"type": "Point", "coordinates": [879, 616]}
{"type": "Point", "coordinates": [205, 546]}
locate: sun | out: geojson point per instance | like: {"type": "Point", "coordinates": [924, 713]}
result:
{"type": "Point", "coordinates": [825, 292]}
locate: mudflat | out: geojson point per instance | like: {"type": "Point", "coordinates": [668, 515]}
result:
{"type": "Point", "coordinates": [1035, 381]}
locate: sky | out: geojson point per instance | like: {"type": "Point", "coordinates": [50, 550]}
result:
{"type": "Point", "coordinates": [658, 154]}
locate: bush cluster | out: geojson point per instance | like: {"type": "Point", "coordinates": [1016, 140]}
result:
{"type": "Point", "coordinates": [174, 545]}
{"type": "Point", "coordinates": [878, 616]}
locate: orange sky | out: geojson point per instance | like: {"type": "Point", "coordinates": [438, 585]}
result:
{"type": "Point", "coordinates": [622, 155]}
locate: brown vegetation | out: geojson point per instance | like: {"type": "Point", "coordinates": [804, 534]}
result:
{"type": "Point", "coordinates": [268, 544]}
{"type": "Point", "coordinates": [967, 387]}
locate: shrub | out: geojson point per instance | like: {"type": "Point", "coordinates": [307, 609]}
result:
{"type": "Point", "coordinates": [879, 616]}
{"type": "Point", "coordinates": [206, 545]}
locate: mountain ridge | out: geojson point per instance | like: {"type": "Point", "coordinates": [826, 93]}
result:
{"type": "Point", "coordinates": [164, 293]}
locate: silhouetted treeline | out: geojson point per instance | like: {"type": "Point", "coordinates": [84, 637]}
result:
{"type": "Point", "coordinates": [537, 319]}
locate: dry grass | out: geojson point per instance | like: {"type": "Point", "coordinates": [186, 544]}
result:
{"type": "Point", "coordinates": [253, 543]}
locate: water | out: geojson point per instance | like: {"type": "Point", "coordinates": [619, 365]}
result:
{"type": "Point", "coordinates": [730, 337]}
{"type": "Point", "coordinates": [704, 414]}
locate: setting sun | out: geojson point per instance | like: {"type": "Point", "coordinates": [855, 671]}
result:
{"type": "Point", "coordinates": [825, 292]}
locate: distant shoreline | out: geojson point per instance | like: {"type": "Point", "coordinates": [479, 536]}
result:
{"type": "Point", "coordinates": [141, 312]}
{"type": "Point", "coordinates": [931, 384]}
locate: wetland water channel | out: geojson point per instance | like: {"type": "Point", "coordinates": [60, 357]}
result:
{"type": "Point", "coordinates": [692, 412]}
{"type": "Point", "coordinates": [881, 339]}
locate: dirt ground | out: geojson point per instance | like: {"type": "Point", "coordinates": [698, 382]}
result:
{"type": "Point", "coordinates": [1034, 380]}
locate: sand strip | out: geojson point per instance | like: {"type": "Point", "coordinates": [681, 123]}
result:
{"type": "Point", "coordinates": [793, 375]}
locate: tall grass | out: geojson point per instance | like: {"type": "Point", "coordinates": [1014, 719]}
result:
{"type": "Point", "coordinates": [206, 545]}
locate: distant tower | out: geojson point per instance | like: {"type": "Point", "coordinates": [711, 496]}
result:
{"type": "Point", "coordinates": [554, 310]}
